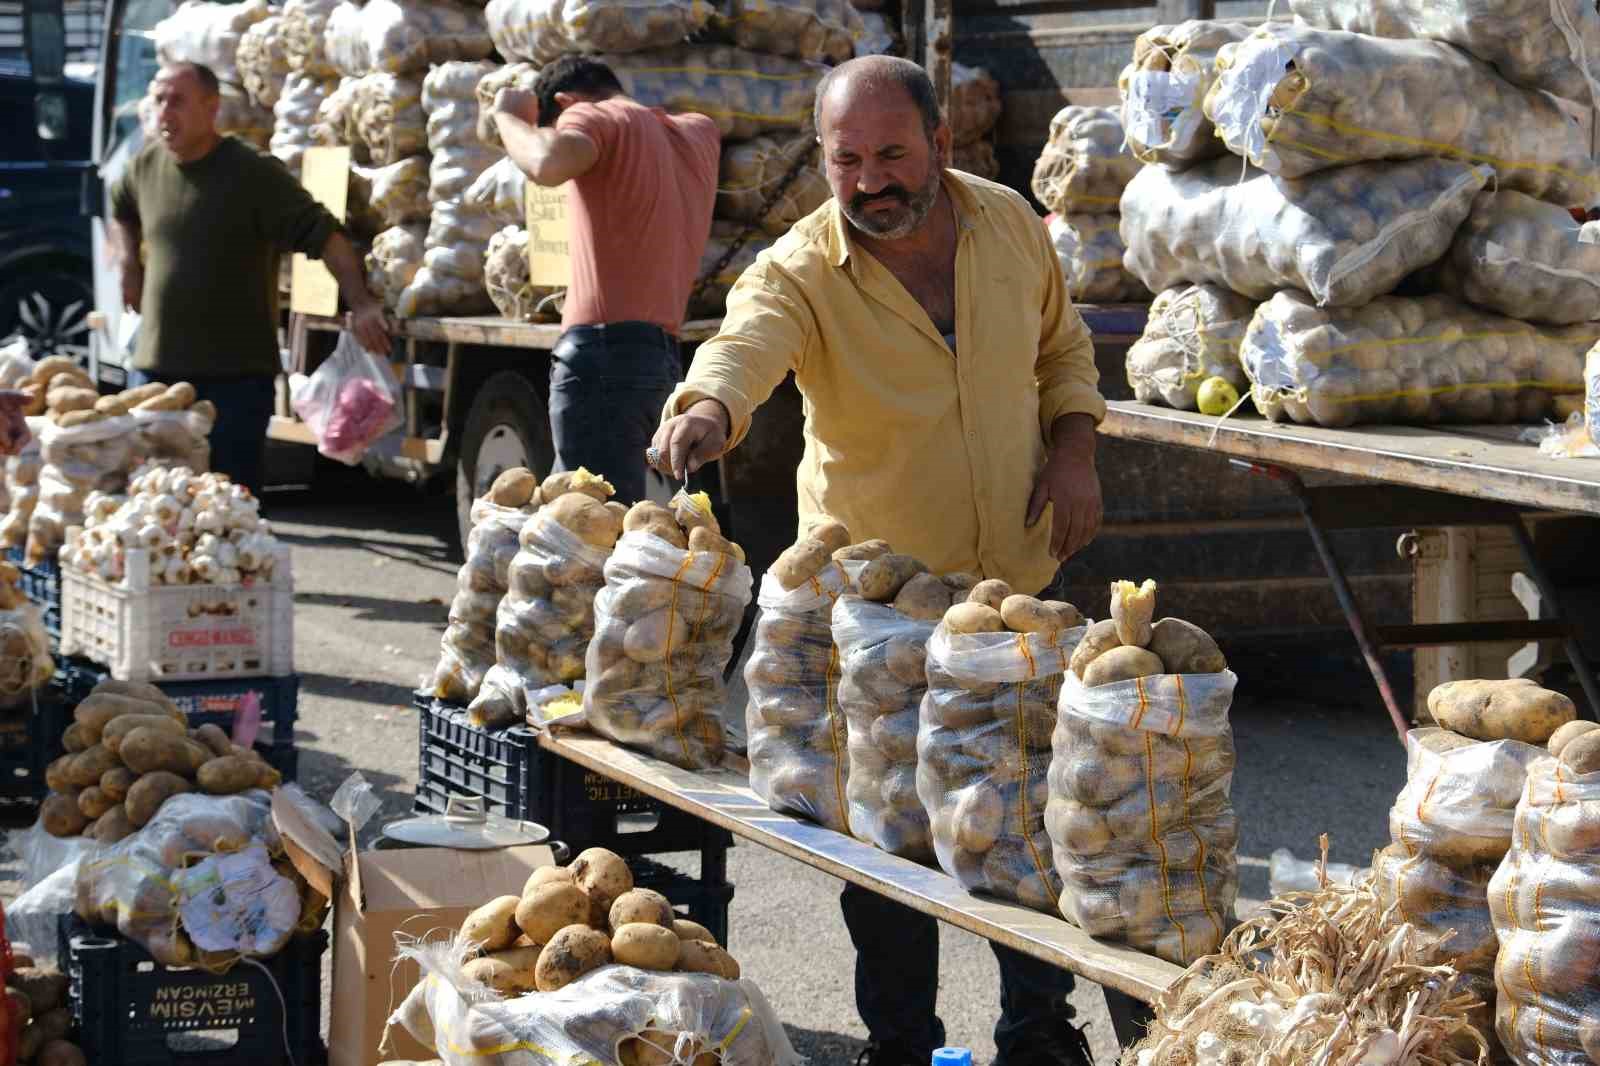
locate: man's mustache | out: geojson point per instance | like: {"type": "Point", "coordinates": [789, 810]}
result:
{"type": "Point", "coordinates": [892, 192]}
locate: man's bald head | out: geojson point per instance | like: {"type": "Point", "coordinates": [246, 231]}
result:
{"type": "Point", "coordinates": [868, 78]}
{"type": "Point", "coordinates": [205, 79]}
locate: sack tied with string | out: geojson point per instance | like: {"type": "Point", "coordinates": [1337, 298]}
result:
{"type": "Point", "coordinates": [1193, 333]}
{"type": "Point", "coordinates": [1164, 89]}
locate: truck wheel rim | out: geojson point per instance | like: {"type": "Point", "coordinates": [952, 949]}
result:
{"type": "Point", "coordinates": [501, 450]}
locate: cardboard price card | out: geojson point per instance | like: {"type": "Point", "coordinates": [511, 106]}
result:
{"type": "Point", "coordinates": [325, 173]}
{"type": "Point", "coordinates": [549, 230]}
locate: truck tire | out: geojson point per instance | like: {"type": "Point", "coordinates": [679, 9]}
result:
{"type": "Point", "coordinates": [507, 425]}
{"type": "Point", "coordinates": [46, 301]}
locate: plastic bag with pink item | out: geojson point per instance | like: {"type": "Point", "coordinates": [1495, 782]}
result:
{"type": "Point", "coordinates": [349, 402]}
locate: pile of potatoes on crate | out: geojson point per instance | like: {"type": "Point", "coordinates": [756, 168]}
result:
{"type": "Point", "coordinates": [38, 1003]}
{"type": "Point", "coordinates": [129, 749]}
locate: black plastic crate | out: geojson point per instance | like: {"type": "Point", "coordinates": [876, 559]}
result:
{"type": "Point", "coordinates": [30, 739]}
{"type": "Point", "coordinates": [133, 1011]}
{"type": "Point", "coordinates": [519, 779]}
{"type": "Point", "coordinates": [42, 586]}
{"type": "Point", "coordinates": [702, 899]}
{"type": "Point", "coordinates": [215, 702]}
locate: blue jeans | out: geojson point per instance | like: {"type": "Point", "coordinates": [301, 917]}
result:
{"type": "Point", "coordinates": [897, 979]}
{"type": "Point", "coordinates": [239, 439]}
{"type": "Point", "coordinates": [608, 385]}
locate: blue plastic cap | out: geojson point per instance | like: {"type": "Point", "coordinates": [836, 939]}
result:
{"type": "Point", "coordinates": [952, 1056]}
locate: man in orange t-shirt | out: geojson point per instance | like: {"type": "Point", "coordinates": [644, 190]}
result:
{"type": "Point", "coordinates": [642, 187]}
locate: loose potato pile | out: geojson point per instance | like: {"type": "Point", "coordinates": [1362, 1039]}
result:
{"type": "Point", "coordinates": [129, 749]}
{"type": "Point", "coordinates": [569, 920]}
{"type": "Point", "coordinates": [994, 671]}
{"type": "Point", "coordinates": [674, 597]}
{"type": "Point", "coordinates": [1193, 335]}
{"type": "Point", "coordinates": [39, 999]}
{"type": "Point", "coordinates": [1085, 164]}
{"type": "Point", "coordinates": [1140, 821]}
{"type": "Point", "coordinates": [1163, 88]}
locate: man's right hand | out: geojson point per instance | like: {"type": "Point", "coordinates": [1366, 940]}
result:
{"type": "Point", "coordinates": [689, 441]}
{"type": "Point", "coordinates": [132, 286]}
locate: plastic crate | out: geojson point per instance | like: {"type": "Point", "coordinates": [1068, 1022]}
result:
{"type": "Point", "coordinates": [704, 901]}
{"type": "Point", "coordinates": [30, 739]}
{"type": "Point", "coordinates": [149, 632]}
{"type": "Point", "coordinates": [42, 586]}
{"type": "Point", "coordinates": [519, 779]}
{"type": "Point", "coordinates": [215, 702]}
{"type": "Point", "coordinates": [133, 1011]}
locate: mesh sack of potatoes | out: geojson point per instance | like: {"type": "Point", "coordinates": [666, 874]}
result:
{"type": "Point", "coordinates": [995, 665]}
{"type": "Point", "coordinates": [1543, 902]}
{"type": "Point", "coordinates": [393, 261]}
{"type": "Point", "coordinates": [501, 191]}
{"type": "Point", "coordinates": [880, 35]}
{"type": "Point", "coordinates": [509, 76]}
{"type": "Point", "coordinates": [1294, 100]}
{"type": "Point", "coordinates": [1164, 89]}
{"type": "Point", "coordinates": [1090, 251]}
{"type": "Point", "coordinates": [547, 616]}
{"type": "Point", "coordinates": [1193, 334]}
{"type": "Point", "coordinates": [22, 486]}
{"type": "Point", "coordinates": [335, 121]}
{"type": "Point", "coordinates": [795, 729]}
{"type": "Point", "coordinates": [1552, 45]}
{"type": "Point", "coordinates": [466, 651]}
{"type": "Point", "coordinates": [1406, 360]}
{"type": "Point", "coordinates": [542, 31]}
{"type": "Point", "coordinates": [263, 61]}
{"type": "Point", "coordinates": [974, 106]}
{"type": "Point", "coordinates": [450, 281]}
{"type": "Point", "coordinates": [821, 31]}
{"type": "Point", "coordinates": [305, 25]}
{"type": "Point", "coordinates": [92, 457]}
{"type": "Point", "coordinates": [293, 116]}
{"type": "Point", "coordinates": [450, 100]}
{"type": "Point", "coordinates": [386, 116]}
{"type": "Point", "coordinates": [1523, 258]}
{"type": "Point", "coordinates": [505, 276]}
{"type": "Point", "coordinates": [208, 33]}
{"type": "Point", "coordinates": [711, 299]}
{"type": "Point", "coordinates": [977, 158]}
{"type": "Point", "coordinates": [751, 172]}
{"type": "Point", "coordinates": [239, 117]}
{"type": "Point", "coordinates": [745, 93]}
{"type": "Point", "coordinates": [1344, 235]}
{"type": "Point", "coordinates": [1084, 165]}
{"type": "Point", "coordinates": [390, 37]}
{"type": "Point", "coordinates": [383, 197]}
{"type": "Point", "coordinates": [674, 598]}
{"type": "Point", "coordinates": [1140, 818]}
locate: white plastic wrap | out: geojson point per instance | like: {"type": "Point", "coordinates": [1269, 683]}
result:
{"type": "Point", "coordinates": [1140, 817]}
{"type": "Point", "coordinates": [542, 31]}
{"type": "Point", "coordinates": [795, 730]}
{"type": "Point", "coordinates": [294, 115]}
{"type": "Point", "coordinates": [450, 281]}
{"type": "Point", "coordinates": [1543, 901]}
{"type": "Point", "coordinates": [173, 438]}
{"type": "Point", "coordinates": [752, 170]}
{"type": "Point", "coordinates": [1522, 258]}
{"type": "Point", "coordinates": [305, 25]}
{"type": "Point", "coordinates": [383, 35]}
{"type": "Point", "coordinates": [33, 919]}
{"type": "Point", "coordinates": [450, 100]}
{"type": "Point", "coordinates": [712, 300]}
{"type": "Point", "coordinates": [882, 679]}
{"type": "Point", "coordinates": [688, 1017]}
{"type": "Point", "coordinates": [1164, 89]}
{"type": "Point", "coordinates": [90, 458]}
{"type": "Point", "coordinates": [208, 33]}
{"type": "Point", "coordinates": [386, 116]}
{"type": "Point", "coordinates": [664, 629]}
{"type": "Point", "coordinates": [1552, 45]}
{"type": "Point", "coordinates": [974, 107]}
{"type": "Point", "coordinates": [1085, 164]}
{"type": "Point", "coordinates": [1295, 100]}
{"type": "Point", "coordinates": [1091, 253]}
{"type": "Point", "coordinates": [983, 758]}
{"type": "Point", "coordinates": [544, 622]}
{"type": "Point", "coordinates": [505, 276]}
{"type": "Point", "coordinates": [1344, 236]}
{"type": "Point", "coordinates": [822, 31]}
{"type": "Point", "coordinates": [501, 192]}
{"type": "Point", "coordinates": [1193, 333]}
{"type": "Point", "coordinates": [263, 61]}
{"type": "Point", "coordinates": [467, 649]}
{"type": "Point", "coordinates": [394, 261]}
{"type": "Point", "coordinates": [509, 76]}
{"type": "Point", "coordinates": [745, 93]}
{"type": "Point", "coordinates": [1403, 360]}
{"type": "Point", "coordinates": [350, 401]}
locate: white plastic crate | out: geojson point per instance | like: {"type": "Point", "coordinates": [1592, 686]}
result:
{"type": "Point", "coordinates": [149, 632]}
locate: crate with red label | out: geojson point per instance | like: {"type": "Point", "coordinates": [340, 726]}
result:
{"type": "Point", "coordinates": [147, 631]}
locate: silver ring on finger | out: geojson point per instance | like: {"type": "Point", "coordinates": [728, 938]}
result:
{"type": "Point", "coordinates": [652, 456]}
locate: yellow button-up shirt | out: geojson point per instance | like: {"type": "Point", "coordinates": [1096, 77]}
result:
{"type": "Point", "coordinates": [932, 450]}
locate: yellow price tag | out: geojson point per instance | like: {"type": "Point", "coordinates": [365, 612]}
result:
{"type": "Point", "coordinates": [325, 173]}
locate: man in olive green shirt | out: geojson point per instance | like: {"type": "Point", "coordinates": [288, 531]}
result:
{"type": "Point", "coordinates": [200, 221]}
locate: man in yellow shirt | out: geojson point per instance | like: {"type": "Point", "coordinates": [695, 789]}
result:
{"type": "Point", "coordinates": [950, 403]}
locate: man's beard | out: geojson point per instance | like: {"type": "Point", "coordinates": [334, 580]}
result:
{"type": "Point", "coordinates": [912, 210]}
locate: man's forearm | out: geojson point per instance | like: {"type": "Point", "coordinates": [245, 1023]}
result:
{"type": "Point", "coordinates": [1074, 435]}
{"type": "Point", "coordinates": [528, 146]}
{"type": "Point", "coordinates": [341, 259]}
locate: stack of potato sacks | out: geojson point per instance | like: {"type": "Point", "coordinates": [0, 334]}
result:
{"type": "Point", "coordinates": [1079, 178]}
{"type": "Point", "coordinates": [974, 112]}
{"type": "Point", "coordinates": [38, 1002]}
{"type": "Point", "coordinates": [1140, 819]}
{"type": "Point", "coordinates": [310, 79]}
{"type": "Point", "coordinates": [211, 34]}
{"type": "Point", "coordinates": [1451, 825]}
{"type": "Point", "coordinates": [1359, 170]}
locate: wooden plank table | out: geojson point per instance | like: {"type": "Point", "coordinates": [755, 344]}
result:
{"type": "Point", "coordinates": [723, 797]}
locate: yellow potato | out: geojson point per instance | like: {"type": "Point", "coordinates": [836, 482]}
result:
{"type": "Point", "coordinates": [641, 906]}
{"type": "Point", "coordinates": [550, 908]}
{"type": "Point", "coordinates": [882, 579]}
{"type": "Point", "coordinates": [706, 539]}
{"type": "Point", "coordinates": [602, 874]}
{"type": "Point", "coordinates": [581, 481]}
{"type": "Point", "coordinates": [832, 534]}
{"type": "Point", "coordinates": [1099, 639]}
{"type": "Point", "coordinates": [61, 816]}
{"type": "Point", "coordinates": [571, 953]}
{"type": "Point", "coordinates": [493, 926]}
{"type": "Point", "coordinates": [1185, 648]}
{"type": "Point", "coordinates": [148, 793]}
{"type": "Point", "coordinates": [925, 598]}
{"type": "Point", "coordinates": [510, 972]}
{"type": "Point", "coordinates": [800, 562]}
{"type": "Point", "coordinates": [1024, 614]}
{"type": "Point", "coordinates": [688, 930]}
{"type": "Point", "coordinates": [1582, 755]}
{"type": "Point", "coordinates": [513, 488]}
{"type": "Point", "coordinates": [1517, 709]}
{"type": "Point", "coordinates": [546, 875]}
{"type": "Point", "coordinates": [1122, 664]}
{"type": "Point", "coordinates": [1568, 733]}
{"type": "Point", "coordinates": [973, 617]}
{"type": "Point", "coordinates": [647, 516]}
{"type": "Point", "coordinates": [991, 593]}
{"type": "Point", "coordinates": [1132, 608]}
{"type": "Point", "coordinates": [118, 728]}
{"type": "Point", "coordinates": [586, 517]}
{"type": "Point", "coordinates": [646, 945]}
{"type": "Point", "coordinates": [866, 551]}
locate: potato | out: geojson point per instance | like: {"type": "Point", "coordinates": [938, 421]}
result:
{"type": "Point", "coordinates": [65, 399]}
{"type": "Point", "coordinates": [571, 953]}
{"type": "Point", "coordinates": [882, 579]}
{"type": "Point", "coordinates": [688, 930]}
{"type": "Point", "coordinates": [800, 563]}
{"type": "Point", "coordinates": [550, 908]}
{"type": "Point", "coordinates": [150, 792]}
{"type": "Point", "coordinates": [72, 739]}
{"type": "Point", "coordinates": [86, 768]}
{"type": "Point", "coordinates": [699, 956]}
{"type": "Point", "coordinates": [139, 690]}
{"type": "Point", "coordinates": [693, 511]}
{"type": "Point", "coordinates": [547, 875]}
{"type": "Point", "coordinates": [113, 825]}
{"type": "Point", "coordinates": [226, 775]}
{"type": "Point", "coordinates": [48, 367]}
{"type": "Point", "coordinates": [924, 597]}
{"type": "Point", "coordinates": [100, 707]}
{"type": "Point", "coordinates": [112, 406]}
{"type": "Point", "coordinates": [641, 905]}
{"type": "Point", "coordinates": [182, 393]}
{"type": "Point", "coordinates": [93, 802]}
{"type": "Point", "coordinates": [55, 775]}
{"type": "Point", "coordinates": [1517, 709]}
{"type": "Point", "coordinates": [647, 945]}
{"type": "Point", "coordinates": [513, 488]}
{"type": "Point", "coordinates": [602, 874]}
{"type": "Point", "coordinates": [493, 926]}
{"type": "Point", "coordinates": [1099, 639]}
{"type": "Point", "coordinates": [1568, 733]}
{"type": "Point", "coordinates": [146, 750]}
{"type": "Point", "coordinates": [1132, 608]}
{"type": "Point", "coordinates": [45, 989]}
{"type": "Point", "coordinates": [1582, 755]}
{"type": "Point", "coordinates": [1122, 664]}
{"type": "Point", "coordinates": [61, 816]}
{"type": "Point", "coordinates": [118, 728]}
{"type": "Point", "coordinates": [990, 593]}
{"type": "Point", "coordinates": [115, 783]}
{"type": "Point", "coordinates": [140, 393]}
{"type": "Point", "coordinates": [864, 552]}
{"type": "Point", "coordinates": [1185, 648]}
{"type": "Point", "coordinates": [510, 972]}
{"type": "Point", "coordinates": [706, 539]}
{"type": "Point", "coordinates": [651, 638]}
{"type": "Point", "coordinates": [973, 617]}
{"type": "Point", "coordinates": [1024, 614]}
{"type": "Point", "coordinates": [647, 516]}
{"type": "Point", "coordinates": [1067, 615]}
{"type": "Point", "coordinates": [960, 582]}
{"type": "Point", "coordinates": [585, 517]}
{"type": "Point", "coordinates": [833, 535]}
{"type": "Point", "coordinates": [214, 738]}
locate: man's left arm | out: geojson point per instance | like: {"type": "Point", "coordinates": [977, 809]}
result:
{"type": "Point", "coordinates": [1070, 407]}
{"type": "Point", "coordinates": [367, 320]}
{"type": "Point", "coordinates": [548, 155]}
